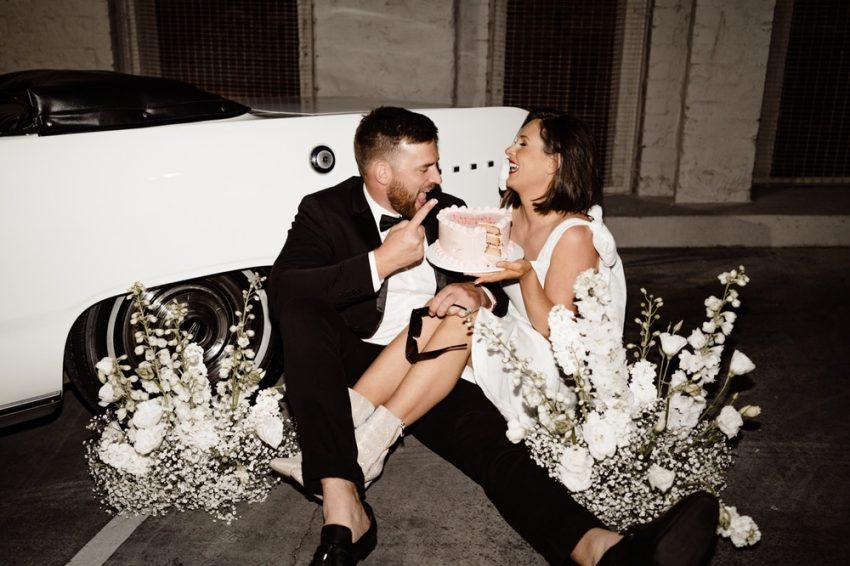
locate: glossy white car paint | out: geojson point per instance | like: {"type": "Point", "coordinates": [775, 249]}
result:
{"type": "Point", "coordinates": [82, 216]}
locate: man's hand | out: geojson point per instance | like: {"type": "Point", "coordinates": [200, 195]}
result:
{"type": "Point", "coordinates": [403, 245]}
{"type": "Point", "coordinates": [457, 299]}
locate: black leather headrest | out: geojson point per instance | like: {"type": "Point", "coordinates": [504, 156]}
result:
{"type": "Point", "coordinates": [50, 102]}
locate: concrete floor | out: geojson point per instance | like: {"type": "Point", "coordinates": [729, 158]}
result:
{"type": "Point", "coordinates": [791, 472]}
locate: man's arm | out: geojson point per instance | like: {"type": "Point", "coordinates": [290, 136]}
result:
{"type": "Point", "coordinates": [309, 264]}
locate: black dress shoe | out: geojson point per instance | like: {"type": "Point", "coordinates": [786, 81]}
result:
{"type": "Point", "coordinates": [336, 548]}
{"type": "Point", "coordinates": [682, 536]}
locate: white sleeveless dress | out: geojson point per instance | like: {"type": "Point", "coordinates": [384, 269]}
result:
{"type": "Point", "coordinates": [487, 369]}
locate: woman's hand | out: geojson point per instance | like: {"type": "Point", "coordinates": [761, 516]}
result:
{"type": "Point", "coordinates": [510, 270]}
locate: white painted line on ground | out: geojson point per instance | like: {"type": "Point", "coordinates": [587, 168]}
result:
{"type": "Point", "coordinates": [98, 550]}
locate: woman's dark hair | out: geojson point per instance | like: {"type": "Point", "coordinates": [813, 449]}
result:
{"type": "Point", "coordinates": [576, 185]}
{"type": "Point", "coordinates": [382, 130]}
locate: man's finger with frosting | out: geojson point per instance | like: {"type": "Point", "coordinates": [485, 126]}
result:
{"type": "Point", "coordinates": [420, 215]}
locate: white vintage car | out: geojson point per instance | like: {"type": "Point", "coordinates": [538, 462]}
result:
{"type": "Point", "coordinates": [107, 179]}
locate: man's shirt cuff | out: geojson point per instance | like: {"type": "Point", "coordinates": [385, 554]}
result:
{"type": "Point", "coordinates": [373, 269]}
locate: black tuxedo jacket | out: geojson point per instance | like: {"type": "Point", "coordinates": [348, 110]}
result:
{"type": "Point", "coordinates": [326, 255]}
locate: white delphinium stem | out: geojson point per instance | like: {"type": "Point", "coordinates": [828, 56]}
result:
{"type": "Point", "coordinates": [239, 366]}
{"type": "Point", "coordinates": [532, 383]}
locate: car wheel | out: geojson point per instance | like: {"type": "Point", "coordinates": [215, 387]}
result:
{"type": "Point", "coordinates": [104, 330]}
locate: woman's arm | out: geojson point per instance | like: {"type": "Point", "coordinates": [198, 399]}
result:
{"type": "Point", "coordinates": [573, 254]}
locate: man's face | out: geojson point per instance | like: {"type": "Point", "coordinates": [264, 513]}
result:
{"type": "Point", "coordinates": [414, 173]}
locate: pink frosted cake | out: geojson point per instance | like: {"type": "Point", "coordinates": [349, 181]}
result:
{"type": "Point", "coordinates": [474, 238]}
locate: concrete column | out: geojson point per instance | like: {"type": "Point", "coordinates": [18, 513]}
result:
{"type": "Point", "coordinates": [730, 44]}
{"type": "Point", "coordinates": [393, 50]}
{"type": "Point", "coordinates": [665, 89]}
{"type": "Point", "coordinates": [473, 43]}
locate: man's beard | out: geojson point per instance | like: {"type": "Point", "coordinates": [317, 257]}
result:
{"type": "Point", "coordinates": [401, 199]}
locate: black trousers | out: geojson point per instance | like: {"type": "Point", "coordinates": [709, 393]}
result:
{"type": "Point", "coordinates": [322, 357]}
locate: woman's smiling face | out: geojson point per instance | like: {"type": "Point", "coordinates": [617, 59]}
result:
{"type": "Point", "coordinates": [531, 168]}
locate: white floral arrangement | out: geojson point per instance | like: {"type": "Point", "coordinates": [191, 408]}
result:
{"type": "Point", "coordinates": [166, 441]}
{"type": "Point", "coordinates": [629, 440]}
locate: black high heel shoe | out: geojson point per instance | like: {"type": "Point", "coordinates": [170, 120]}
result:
{"type": "Point", "coordinates": [336, 549]}
{"type": "Point", "coordinates": [682, 536]}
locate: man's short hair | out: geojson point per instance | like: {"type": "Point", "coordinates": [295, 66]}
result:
{"type": "Point", "coordinates": [382, 130]}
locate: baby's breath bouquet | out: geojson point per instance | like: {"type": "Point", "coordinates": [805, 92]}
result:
{"type": "Point", "coordinates": [631, 439]}
{"type": "Point", "coordinates": [166, 441]}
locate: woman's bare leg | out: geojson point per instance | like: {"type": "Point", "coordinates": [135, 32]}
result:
{"type": "Point", "coordinates": [382, 378]}
{"type": "Point", "coordinates": [428, 382]}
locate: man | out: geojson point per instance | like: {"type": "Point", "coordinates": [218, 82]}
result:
{"type": "Point", "coordinates": [342, 288]}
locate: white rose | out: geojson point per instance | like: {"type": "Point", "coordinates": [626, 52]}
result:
{"type": "Point", "coordinates": [697, 339]}
{"type": "Point", "coordinates": [148, 413]}
{"type": "Point", "coordinates": [515, 432]}
{"type": "Point", "coordinates": [575, 467]}
{"type": "Point", "coordinates": [671, 343]}
{"type": "Point", "coordinates": [744, 531]}
{"type": "Point", "coordinates": [740, 364]}
{"type": "Point", "coordinates": [661, 478]}
{"type": "Point", "coordinates": [729, 421]}
{"type": "Point", "coordinates": [148, 439]}
{"type": "Point", "coordinates": [600, 436]}
{"type": "Point", "coordinates": [270, 431]}
{"type": "Point", "coordinates": [109, 394]}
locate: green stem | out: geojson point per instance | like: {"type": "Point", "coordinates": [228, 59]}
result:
{"type": "Point", "coordinates": [719, 396]}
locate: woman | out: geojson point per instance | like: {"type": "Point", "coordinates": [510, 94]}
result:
{"type": "Point", "coordinates": [553, 191]}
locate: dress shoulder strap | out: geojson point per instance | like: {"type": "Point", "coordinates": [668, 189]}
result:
{"type": "Point", "coordinates": [603, 240]}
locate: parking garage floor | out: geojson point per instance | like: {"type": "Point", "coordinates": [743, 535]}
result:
{"type": "Point", "coordinates": [791, 475]}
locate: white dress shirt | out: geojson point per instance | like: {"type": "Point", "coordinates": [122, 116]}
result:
{"type": "Point", "coordinates": [406, 290]}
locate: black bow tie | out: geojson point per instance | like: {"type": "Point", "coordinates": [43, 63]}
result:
{"type": "Point", "coordinates": [388, 222]}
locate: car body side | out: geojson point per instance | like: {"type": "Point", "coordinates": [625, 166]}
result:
{"type": "Point", "coordinates": [83, 216]}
